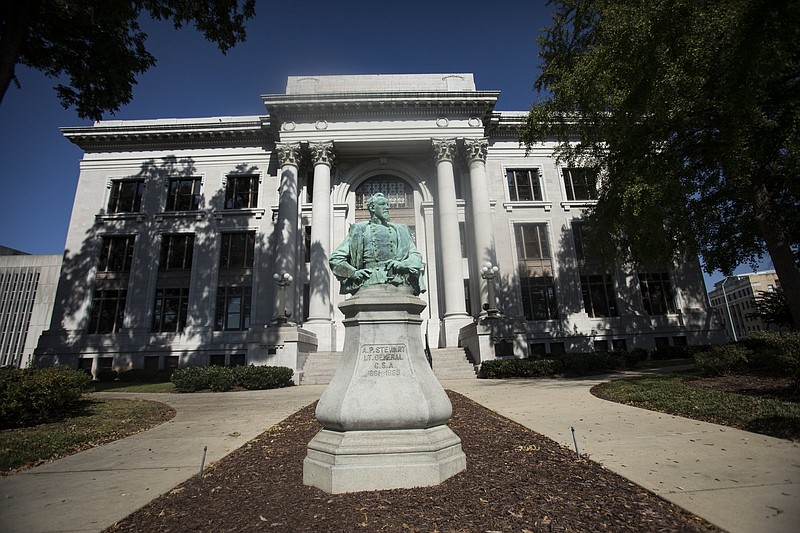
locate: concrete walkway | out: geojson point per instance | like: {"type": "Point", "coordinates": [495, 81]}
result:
{"type": "Point", "coordinates": [740, 481]}
{"type": "Point", "coordinates": [92, 490]}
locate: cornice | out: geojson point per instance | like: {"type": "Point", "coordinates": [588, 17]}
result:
{"type": "Point", "coordinates": [213, 132]}
{"type": "Point", "coordinates": [282, 107]}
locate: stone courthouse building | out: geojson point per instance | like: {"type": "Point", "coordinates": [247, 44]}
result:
{"type": "Point", "coordinates": [181, 225]}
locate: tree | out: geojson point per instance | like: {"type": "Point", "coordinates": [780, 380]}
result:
{"type": "Point", "coordinates": [98, 46]}
{"type": "Point", "coordinates": [772, 308]}
{"type": "Point", "coordinates": [689, 110]}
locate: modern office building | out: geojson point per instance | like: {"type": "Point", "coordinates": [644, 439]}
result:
{"type": "Point", "coordinates": [734, 299]}
{"type": "Point", "coordinates": [27, 293]}
{"type": "Point", "coordinates": [180, 225]}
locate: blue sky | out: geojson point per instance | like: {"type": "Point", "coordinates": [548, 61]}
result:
{"type": "Point", "coordinates": [39, 167]}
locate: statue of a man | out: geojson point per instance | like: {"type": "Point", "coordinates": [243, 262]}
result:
{"type": "Point", "coordinates": [377, 252]}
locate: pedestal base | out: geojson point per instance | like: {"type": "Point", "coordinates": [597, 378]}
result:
{"type": "Point", "coordinates": [352, 461]}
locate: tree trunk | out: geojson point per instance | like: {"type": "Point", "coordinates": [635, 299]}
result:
{"type": "Point", "coordinates": [779, 249]}
{"type": "Point", "coordinates": [17, 16]}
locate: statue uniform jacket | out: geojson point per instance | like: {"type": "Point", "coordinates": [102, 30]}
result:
{"type": "Point", "coordinates": [349, 257]}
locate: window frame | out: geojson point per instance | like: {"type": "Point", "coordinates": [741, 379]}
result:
{"type": "Point", "coordinates": [160, 310]}
{"type": "Point", "coordinates": [100, 297]}
{"type": "Point", "coordinates": [568, 184]}
{"type": "Point", "coordinates": [653, 280]}
{"type": "Point", "coordinates": [174, 194]}
{"type": "Point", "coordinates": [167, 252]}
{"type": "Point", "coordinates": [545, 251]}
{"type": "Point", "coordinates": [226, 247]}
{"type": "Point", "coordinates": [232, 191]}
{"type": "Point", "coordinates": [534, 181]}
{"type": "Point", "coordinates": [115, 196]}
{"type": "Point", "coordinates": [589, 285]}
{"type": "Point", "coordinates": [549, 296]}
{"type": "Point", "coordinates": [222, 312]}
{"type": "Point", "coordinates": [107, 251]}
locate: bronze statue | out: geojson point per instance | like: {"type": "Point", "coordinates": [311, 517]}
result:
{"type": "Point", "coordinates": [378, 252]}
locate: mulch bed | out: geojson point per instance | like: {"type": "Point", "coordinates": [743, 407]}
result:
{"type": "Point", "coordinates": [516, 480]}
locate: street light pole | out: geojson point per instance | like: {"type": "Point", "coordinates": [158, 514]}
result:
{"type": "Point", "coordinates": [728, 309]}
{"type": "Point", "coordinates": [283, 280]}
{"type": "Point", "coordinates": [488, 272]}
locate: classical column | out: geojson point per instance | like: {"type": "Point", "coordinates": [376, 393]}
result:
{"type": "Point", "coordinates": [319, 306]}
{"type": "Point", "coordinates": [481, 212]}
{"type": "Point", "coordinates": [449, 243]}
{"type": "Point", "coordinates": [286, 225]}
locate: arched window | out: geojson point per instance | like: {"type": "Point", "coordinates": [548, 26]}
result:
{"type": "Point", "coordinates": [396, 190]}
{"type": "Point", "coordinates": [399, 193]}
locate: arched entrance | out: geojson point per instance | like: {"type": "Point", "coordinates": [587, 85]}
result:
{"type": "Point", "coordinates": [400, 196]}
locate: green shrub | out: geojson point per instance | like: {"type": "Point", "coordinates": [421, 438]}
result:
{"type": "Point", "coordinates": [264, 377]}
{"type": "Point", "coordinates": [32, 396]}
{"type": "Point", "coordinates": [633, 357]}
{"type": "Point", "coordinates": [782, 352]}
{"type": "Point", "coordinates": [721, 360]}
{"type": "Point", "coordinates": [671, 352]}
{"type": "Point", "coordinates": [191, 379]}
{"type": "Point", "coordinates": [592, 363]}
{"type": "Point", "coordinates": [106, 375]}
{"type": "Point", "coordinates": [519, 368]}
{"type": "Point", "coordinates": [221, 378]}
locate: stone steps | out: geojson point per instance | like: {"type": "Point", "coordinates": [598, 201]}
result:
{"type": "Point", "coordinates": [452, 363]}
{"type": "Point", "coordinates": [320, 367]}
{"type": "Point", "coordinates": [448, 363]}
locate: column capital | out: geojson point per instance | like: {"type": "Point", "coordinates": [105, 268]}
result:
{"type": "Point", "coordinates": [322, 153]}
{"type": "Point", "coordinates": [443, 149]}
{"type": "Point", "coordinates": [288, 154]}
{"type": "Point", "coordinates": [476, 149]}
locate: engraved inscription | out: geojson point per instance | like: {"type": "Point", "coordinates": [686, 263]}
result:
{"type": "Point", "coordinates": [382, 360]}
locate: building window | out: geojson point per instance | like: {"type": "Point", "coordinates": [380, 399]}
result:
{"type": "Point", "coordinates": [657, 293]}
{"type": "Point", "coordinates": [217, 359]}
{"type": "Point", "coordinates": [532, 242]}
{"type": "Point", "coordinates": [184, 194]}
{"type": "Point", "coordinates": [557, 348]}
{"type": "Point", "coordinates": [126, 196]}
{"type": "Point", "coordinates": [600, 346]}
{"type": "Point", "coordinates": [233, 308]}
{"type": "Point", "coordinates": [241, 192]}
{"type": "Point", "coordinates": [237, 359]}
{"type": "Point", "coordinates": [580, 183]}
{"type": "Point", "coordinates": [598, 295]}
{"type": "Point", "coordinates": [108, 310]}
{"type": "Point", "coordinates": [116, 254]}
{"type": "Point", "coordinates": [171, 308]}
{"type": "Point", "coordinates": [620, 345]}
{"type": "Point", "coordinates": [524, 185]}
{"type": "Point", "coordinates": [539, 298]}
{"type": "Point", "coordinates": [176, 252]}
{"type": "Point", "coordinates": [462, 235]}
{"type": "Point", "coordinates": [237, 250]}
{"type": "Point", "coordinates": [397, 191]}
{"type": "Point", "coordinates": [307, 244]}
{"type": "Point", "coordinates": [536, 349]}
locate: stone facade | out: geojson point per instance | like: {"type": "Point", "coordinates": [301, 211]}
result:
{"type": "Point", "coordinates": [179, 226]}
{"type": "Point", "coordinates": [27, 292]}
{"type": "Point", "coordinates": [734, 300]}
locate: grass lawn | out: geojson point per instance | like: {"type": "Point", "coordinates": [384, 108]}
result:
{"type": "Point", "coordinates": [96, 422]}
{"type": "Point", "coordinates": [673, 394]}
{"type": "Point", "coordinates": [121, 386]}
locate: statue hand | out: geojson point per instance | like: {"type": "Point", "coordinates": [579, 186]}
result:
{"type": "Point", "coordinates": [362, 274]}
{"type": "Point", "coordinates": [396, 265]}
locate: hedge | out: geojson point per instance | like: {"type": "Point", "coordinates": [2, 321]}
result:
{"type": "Point", "coordinates": [223, 378]}
{"type": "Point", "coordinates": [33, 395]}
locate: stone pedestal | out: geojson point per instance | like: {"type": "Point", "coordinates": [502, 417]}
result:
{"type": "Point", "coordinates": [285, 345]}
{"type": "Point", "coordinates": [384, 412]}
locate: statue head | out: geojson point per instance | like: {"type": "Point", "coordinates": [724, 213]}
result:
{"type": "Point", "coordinates": [378, 207]}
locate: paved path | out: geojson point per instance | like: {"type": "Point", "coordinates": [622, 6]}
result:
{"type": "Point", "coordinates": [92, 490]}
{"type": "Point", "coordinates": [740, 481]}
